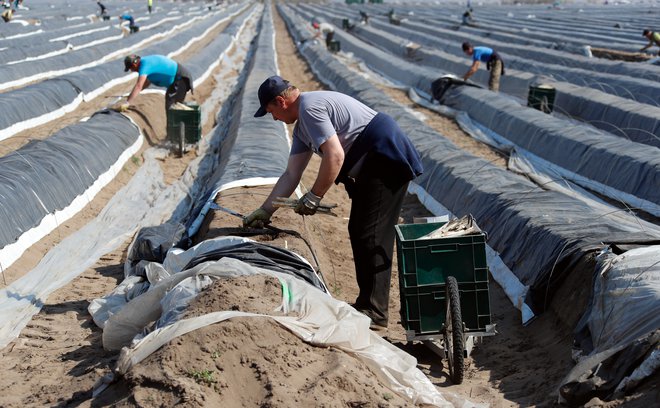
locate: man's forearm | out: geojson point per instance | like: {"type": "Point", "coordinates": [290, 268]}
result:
{"type": "Point", "coordinates": [283, 188]}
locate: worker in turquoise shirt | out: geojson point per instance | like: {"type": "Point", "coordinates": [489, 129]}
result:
{"type": "Point", "coordinates": [131, 23]}
{"type": "Point", "coordinates": [494, 64]}
{"type": "Point", "coordinates": [160, 71]}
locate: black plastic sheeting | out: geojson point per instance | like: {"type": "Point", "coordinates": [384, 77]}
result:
{"type": "Point", "coordinates": [45, 176]}
{"type": "Point", "coordinates": [446, 54]}
{"type": "Point", "coordinates": [539, 234]}
{"type": "Point", "coordinates": [263, 256]}
{"type": "Point", "coordinates": [544, 55]}
{"type": "Point", "coordinates": [44, 97]}
{"type": "Point", "coordinates": [80, 57]}
{"type": "Point", "coordinates": [630, 167]}
{"type": "Point", "coordinates": [627, 166]}
{"type": "Point", "coordinates": [241, 153]}
{"type": "Point", "coordinates": [635, 121]}
{"type": "Point", "coordinates": [152, 243]}
{"type": "Point", "coordinates": [493, 22]}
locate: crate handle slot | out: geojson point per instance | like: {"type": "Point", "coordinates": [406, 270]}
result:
{"type": "Point", "coordinates": [444, 248]}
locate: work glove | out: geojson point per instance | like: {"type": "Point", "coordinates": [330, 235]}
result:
{"type": "Point", "coordinates": [121, 107]}
{"type": "Point", "coordinates": [257, 219]}
{"type": "Point", "coordinates": [308, 204]}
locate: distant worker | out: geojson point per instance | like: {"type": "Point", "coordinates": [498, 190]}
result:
{"type": "Point", "coordinates": [7, 15]}
{"type": "Point", "coordinates": [468, 20]}
{"type": "Point", "coordinates": [364, 17]}
{"type": "Point", "coordinates": [366, 151]}
{"type": "Point", "coordinates": [493, 62]}
{"type": "Point", "coordinates": [324, 29]}
{"type": "Point", "coordinates": [160, 71]}
{"type": "Point", "coordinates": [149, 5]}
{"type": "Point", "coordinates": [131, 22]}
{"type": "Point", "coordinates": [104, 11]}
{"type": "Point", "coordinates": [654, 39]}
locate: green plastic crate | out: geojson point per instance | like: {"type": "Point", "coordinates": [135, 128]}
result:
{"type": "Point", "coordinates": [192, 120]}
{"type": "Point", "coordinates": [424, 265]}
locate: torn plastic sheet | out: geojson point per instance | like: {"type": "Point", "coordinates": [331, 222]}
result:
{"type": "Point", "coordinates": [321, 320]}
{"type": "Point", "coordinates": [613, 319]}
{"type": "Point", "coordinates": [620, 326]}
{"type": "Point", "coordinates": [124, 312]}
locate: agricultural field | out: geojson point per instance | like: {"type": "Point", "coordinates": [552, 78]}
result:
{"type": "Point", "coordinates": [128, 278]}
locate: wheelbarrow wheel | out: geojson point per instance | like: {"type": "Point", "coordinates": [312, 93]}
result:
{"type": "Point", "coordinates": [454, 331]}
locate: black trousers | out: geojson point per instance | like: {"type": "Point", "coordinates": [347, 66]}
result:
{"type": "Point", "coordinates": [377, 196]}
{"type": "Point", "coordinates": [328, 38]}
{"type": "Point", "coordinates": [177, 91]}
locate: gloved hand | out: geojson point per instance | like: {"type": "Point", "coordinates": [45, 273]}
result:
{"type": "Point", "coordinates": [308, 204]}
{"type": "Point", "coordinates": [121, 107]}
{"type": "Point", "coordinates": [257, 219]}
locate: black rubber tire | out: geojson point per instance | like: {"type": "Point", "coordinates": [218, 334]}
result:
{"type": "Point", "coordinates": [454, 344]}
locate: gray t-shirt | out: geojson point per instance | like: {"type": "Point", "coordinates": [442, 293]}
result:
{"type": "Point", "coordinates": [325, 113]}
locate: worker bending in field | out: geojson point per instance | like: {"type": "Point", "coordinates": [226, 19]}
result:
{"type": "Point", "coordinates": [654, 39]}
{"type": "Point", "coordinates": [326, 30]}
{"type": "Point", "coordinates": [160, 71]}
{"type": "Point", "coordinates": [359, 147]}
{"type": "Point", "coordinates": [131, 23]}
{"type": "Point", "coordinates": [493, 62]}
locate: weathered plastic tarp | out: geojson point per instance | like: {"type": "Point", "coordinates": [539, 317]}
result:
{"type": "Point", "coordinates": [619, 335]}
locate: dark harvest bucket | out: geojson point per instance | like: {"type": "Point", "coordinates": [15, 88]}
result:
{"type": "Point", "coordinates": [334, 46]}
{"type": "Point", "coordinates": [542, 97]}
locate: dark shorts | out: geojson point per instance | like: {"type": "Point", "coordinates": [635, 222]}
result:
{"type": "Point", "coordinates": [182, 84]}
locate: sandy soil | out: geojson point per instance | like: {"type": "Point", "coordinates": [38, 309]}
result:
{"type": "Point", "coordinates": [59, 356]}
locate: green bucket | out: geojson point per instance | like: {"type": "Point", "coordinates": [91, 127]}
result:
{"type": "Point", "coordinates": [334, 46]}
{"type": "Point", "coordinates": [542, 97]}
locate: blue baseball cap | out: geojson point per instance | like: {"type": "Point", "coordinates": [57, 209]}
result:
{"type": "Point", "coordinates": [269, 89]}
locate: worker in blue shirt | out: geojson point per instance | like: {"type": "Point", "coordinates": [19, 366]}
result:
{"type": "Point", "coordinates": [160, 71]}
{"type": "Point", "coordinates": [359, 147]}
{"type": "Point", "coordinates": [493, 62]}
{"type": "Point", "coordinates": [131, 22]}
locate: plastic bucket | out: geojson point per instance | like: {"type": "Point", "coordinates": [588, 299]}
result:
{"type": "Point", "coordinates": [541, 97]}
{"type": "Point", "coordinates": [334, 46]}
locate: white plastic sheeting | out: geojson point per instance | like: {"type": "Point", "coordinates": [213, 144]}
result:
{"type": "Point", "coordinates": [316, 318]}
{"type": "Point", "coordinates": [614, 319]}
